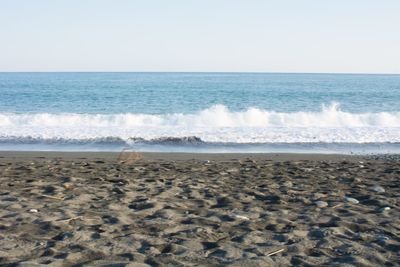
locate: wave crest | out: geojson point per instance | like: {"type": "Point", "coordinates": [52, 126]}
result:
{"type": "Point", "coordinates": [214, 124]}
{"type": "Point", "coordinates": [215, 116]}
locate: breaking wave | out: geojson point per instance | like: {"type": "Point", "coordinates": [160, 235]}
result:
{"type": "Point", "coordinates": [215, 124]}
{"type": "Point", "coordinates": [215, 116]}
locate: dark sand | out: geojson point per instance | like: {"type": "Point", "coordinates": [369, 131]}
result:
{"type": "Point", "coordinates": [101, 209]}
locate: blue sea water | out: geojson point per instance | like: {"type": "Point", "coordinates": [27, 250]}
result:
{"type": "Point", "coordinates": [200, 112]}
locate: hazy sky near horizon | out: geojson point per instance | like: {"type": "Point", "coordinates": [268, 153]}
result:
{"type": "Point", "coordinates": [357, 36]}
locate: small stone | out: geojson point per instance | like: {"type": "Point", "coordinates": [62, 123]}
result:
{"type": "Point", "coordinates": [318, 196]}
{"type": "Point", "coordinates": [33, 211]}
{"type": "Point", "coordinates": [378, 189]}
{"type": "Point", "coordinates": [284, 212]}
{"type": "Point", "coordinates": [300, 233]}
{"type": "Point", "coordinates": [321, 204]}
{"type": "Point", "coordinates": [68, 185]}
{"type": "Point", "coordinates": [193, 245]}
{"type": "Point", "coordinates": [15, 206]}
{"type": "Point", "coordinates": [384, 209]}
{"type": "Point", "coordinates": [233, 170]}
{"type": "Point", "coordinates": [382, 238]}
{"type": "Point", "coordinates": [241, 217]}
{"type": "Point", "coordinates": [174, 249]}
{"type": "Point", "coordinates": [141, 205]}
{"type": "Point", "coordinates": [288, 184]}
{"type": "Point", "coordinates": [317, 234]}
{"type": "Point", "coordinates": [365, 236]}
{"type": "Point", "coordinates": [351, 200]}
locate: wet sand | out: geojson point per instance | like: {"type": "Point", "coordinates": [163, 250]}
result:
{"type": "Point", "coordinates": [178, 209]}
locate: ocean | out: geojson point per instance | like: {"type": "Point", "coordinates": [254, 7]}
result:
{"type": "Point", "coordinates": [200, 112]}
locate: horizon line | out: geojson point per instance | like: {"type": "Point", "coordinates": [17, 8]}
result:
{"type": "Point", "coordinates": [216, 72]}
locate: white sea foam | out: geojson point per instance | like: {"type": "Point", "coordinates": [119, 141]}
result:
{"type": "Point", "coordinates": [215, 124]}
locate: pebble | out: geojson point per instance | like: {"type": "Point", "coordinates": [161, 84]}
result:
{"type": "Point", "coordinates": [68, 185]}
{"type": "Point", "coordinates": [33, 211]}
{"type": "Point", "coordinates": [284, 212]}
{"type": "Point", "coordinates": [382, 238]}
{"type": "Point", "coordinates": [318, 196]}
{"type": "Point", "coordinates": [365, 236]}
{"type": "Point", "coordinates": [351, 200]}
{"type": "Point", "coordinates": [288, 184]}
{"type": "Point", "coordinates": [300, 233]}
{"type": "Point", "coordinates": [384, 209]}
{"type": "Point", "coordinates": [241, 217]}
{"type": "Point", "coordinates": [378, 189]}
{"type": "Point", "coordinates": [321, 204]}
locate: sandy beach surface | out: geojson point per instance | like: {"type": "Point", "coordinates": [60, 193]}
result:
{"type": "Point", "coordinates": [158, 209]}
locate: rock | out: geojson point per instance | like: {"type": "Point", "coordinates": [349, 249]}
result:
{"type": "Point", "coordinates": [321, 204]}
{"type": "Point", "coordinates": [141, 205]}
{"type": "Point", "coordinates": [33, 211]}
{"type": "Point", "coordinates": [284, 212]}
{"type": "Point", "coordinates": [317, 234]}
{"type": "Point", "coordinates": [382, 238]}
{"type": "Point", "coordinates": [384, 209]}
{"type": "Point", "coordinates": [233, 170]}
{"type": "Point", "coordinates": [62, 236]}
{"type": "Point", "coordinates": [351, 200]}
{"type": "Point", "coordinates": [241, 217]}
{"type": "Point", "coordinates": [15, 206]}
{"type": "Point", "coordinates": [300, 233]}
{"type": "Point", "coordinates": [253, 237]}
{"type": "Point", "coordinates": [192, 244]}
{"type": "Point", "coordinates": [288, 184]}
{"type": "Point", "coordinates": [68, 185]}
{"type": "Point", "coordinates": [317, 196]}
{"type": "Point", "coordinates": [365, 237]}
{"type": "Point", "coordinates": [174, 249]}
{"type": "Point", "coordinates": [378, 189]}
{"type": "Point", "coordinates": [232, 252]}
{"type": "Point", "coordinates": [49, 189]}
{"type": "Point", "coordinates": [29, 264]}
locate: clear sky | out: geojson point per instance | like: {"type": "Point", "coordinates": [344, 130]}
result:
{"type": "Point", "coordinates": [361, 36]}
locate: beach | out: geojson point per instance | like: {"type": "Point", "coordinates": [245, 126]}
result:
{"type": "Point", "coordinates": [181, 209]}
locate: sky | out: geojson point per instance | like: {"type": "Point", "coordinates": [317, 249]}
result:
{"type": "Point", "coordinates": [338, 36]}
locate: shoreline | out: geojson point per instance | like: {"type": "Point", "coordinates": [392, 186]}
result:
{"type": "Point", "coordinates": [177, 156]}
